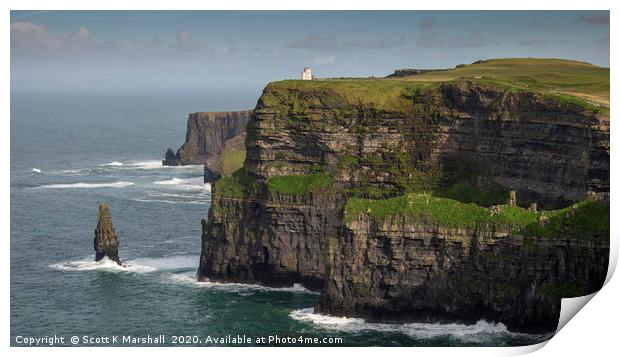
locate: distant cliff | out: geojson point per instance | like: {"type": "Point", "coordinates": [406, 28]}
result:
{"type": "Point", "coordinates": [207, 132]}
{"type": "Point", "coordinates": [390, 198]}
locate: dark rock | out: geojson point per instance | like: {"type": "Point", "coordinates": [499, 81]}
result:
{"type": "Point", "coordinates": [171, 158]}
{"type": "Point", "coordinates": [210, 174]}
{"type": "Point", "coordinates": [106, 243]}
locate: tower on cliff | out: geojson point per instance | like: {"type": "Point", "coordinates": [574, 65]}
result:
{"type": "Point", "coordinates": [306, 75]}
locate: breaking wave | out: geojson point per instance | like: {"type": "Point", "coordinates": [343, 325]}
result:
{"type": "Point", "coordinates": [113, 163]}
{"type": "Point", "coordinates": [104, 264]}
{"type": "Point", "coordinates": [118, 184]}
{"type": "Point", "coordinates": [191, 183]}
{"type": "Point", "coordinates": [478, 332]}
{"type": "Point", "coordinates": [188, 279]}
{"type": "Point", "coordinates": [34, 169]}
{"type": "Point", "coordinates": [147, 165]}
{"type": "Point", "coordinates": [171, 202]}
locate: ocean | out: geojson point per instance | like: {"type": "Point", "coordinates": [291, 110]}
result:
{"type": "Point", "coordinates": [72, 151]}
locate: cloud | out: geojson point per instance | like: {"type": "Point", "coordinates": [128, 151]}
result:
{"type": "Point", "coordinates": [28, 36]}
{"type": "Point", "coordinates": [31, 38]}
{"type": "Point", "coordinates": [185, 42]}
{"type": "Point", "coordinates": [315, 41]}
{"type": "Point", "coordinates": [595, 19]}
{"type": "Point", "coordinates": [324, 60]}
{"type": "Point", "coordinates": [83, 35]}
{"type": "Point", "coordinates": [428, 37]}
{"type": "Point", "coordinates": [427, 24]}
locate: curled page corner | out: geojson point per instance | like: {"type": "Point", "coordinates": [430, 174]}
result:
{"type": "Point", "coordinates": [570, 308]}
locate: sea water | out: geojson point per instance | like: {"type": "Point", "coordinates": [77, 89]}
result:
{"type": "Point", "coordinates": [72, 151]}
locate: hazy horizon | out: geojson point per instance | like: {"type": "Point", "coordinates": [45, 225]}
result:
{"type": "Point", "coordinates": [230, 51]}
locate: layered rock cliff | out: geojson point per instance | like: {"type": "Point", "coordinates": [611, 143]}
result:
{"type": "Point", "coordinates": [315, 155]}
{"type": "Point", "coordinates": [206, 135]}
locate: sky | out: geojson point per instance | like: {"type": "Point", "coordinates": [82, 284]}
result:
{"type": "Point", "coordinates": [233, 50]}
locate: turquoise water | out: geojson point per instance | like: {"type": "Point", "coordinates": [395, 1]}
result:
{"type": "Point", "coordinates": [72, 151]}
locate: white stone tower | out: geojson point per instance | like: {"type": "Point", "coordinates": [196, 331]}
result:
{"type": "Point", "coordinates": [306, 75]}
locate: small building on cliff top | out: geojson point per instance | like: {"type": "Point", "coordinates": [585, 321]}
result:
{"type": "Point", "coordinates": [306, 75]}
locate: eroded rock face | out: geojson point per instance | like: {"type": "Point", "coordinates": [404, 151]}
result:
{"type": "Point", "coordinates": [399, 270]}
{"type": "Point", "coordinates": [106, 242]}
{"type": "Point", "coordinates": [549, 153]}
{"type": "Point", "coordinates": [270, 238]}
{"type": "Point", "coordinates": [206, 134]}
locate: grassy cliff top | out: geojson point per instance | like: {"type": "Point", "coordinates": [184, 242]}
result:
{"type": "Point", "coordinates": [587, 219]}
{"type": "Point", "coordinates": [578, 82]}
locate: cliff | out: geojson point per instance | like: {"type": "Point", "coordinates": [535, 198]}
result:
{"type": "Point", "coordinates": [207, 132]}
{"type": "Point", "coordinates": [388, 196]}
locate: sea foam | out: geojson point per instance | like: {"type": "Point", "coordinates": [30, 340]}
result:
{"type": "Point", "coordinates": [113, 163]}
{"type": "Point", "coordinates": [104, 264]}
{"type": "Point", "coordinates": [117, 184]}
{"type": "Point", "coordinates": [478, 332]}
{"type": "Point", "coordinates": [234, 287]}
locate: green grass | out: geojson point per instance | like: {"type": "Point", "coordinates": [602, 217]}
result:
{"type": "Point", "coordinates": [298, 184]}
{"type": "Point", "coordinates": [236, 185]}
{"type": "Point", "coordinates": [590, 219]}
{"type": "Point", "coordinates": [232, 160]}
{"type": "Point", "coordinates": [232, 156]}
{"type": "Point", "coordinates": [571, 78]}
{"type": "Point", "coordinates": [386, 94]}
{"type": "Point", "coordinates": [565, 80]}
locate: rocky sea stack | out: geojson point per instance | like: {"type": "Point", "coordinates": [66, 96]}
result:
{"type": "Point", "coordinates": [106, 242]}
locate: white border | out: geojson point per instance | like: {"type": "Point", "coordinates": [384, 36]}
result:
{"type": "Point", "coordinates": [592, 331]}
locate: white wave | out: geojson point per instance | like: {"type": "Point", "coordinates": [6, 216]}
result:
{"type": "Point", "coordinates": [176, 195]}
{"type": "Point", "coordinates": [118, 184]}
{"type": "Point", "coordinates": [104, 264]}
{"type": "Point", "coordinates": [113, 163]}
{"type": "Point", "coordinates": [174, 181]}
{"type": "Point", "coordinates": [480, 331]}
{"type": "Point", "coordinates": [34, 169]}
{"type": "Point", "coordinates": [157, 164]}
{"type": "Point", "coordinates": [171, 202]}
{"type": "Point", "coordinates": [147, 165]}
{"type": "Point", "coordinates": [71, 171]}
{"type": "Point", "coordinates": [234, 287]}
{"type": "Point", "coordinates": [192, 183]}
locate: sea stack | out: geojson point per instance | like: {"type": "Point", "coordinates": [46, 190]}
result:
{"type": "Point", "coordinates": [106, 242]}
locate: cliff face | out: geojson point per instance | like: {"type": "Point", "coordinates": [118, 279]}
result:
{"type": "Point", "coordinates": [269, 238]}
{"type": "Point", "coordinates": [394, 271]}
{"type": "Point", "coordinates": [546, 150]}
{"type": "Point", "coordinates": [312, 151]}
{"type": "Point", "coordinates": [206, 135]}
